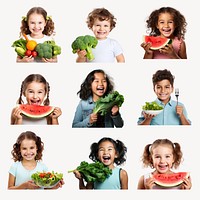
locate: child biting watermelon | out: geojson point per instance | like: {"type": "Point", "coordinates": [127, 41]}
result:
{"type": "Point", "coordinates": [37, 110]}
{"type": "Point", "coordinates": [169, 23]}
{"type": "Point", "coordinates": [163, 155]}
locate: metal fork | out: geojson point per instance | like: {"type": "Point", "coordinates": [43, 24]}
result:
{"type": "Point", "coordinates": [177, 94]}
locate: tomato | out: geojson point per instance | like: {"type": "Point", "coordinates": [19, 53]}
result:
{"type": "Point", "coordinates": [34, 53]}
{"type": "Point", "coordinates": [28, 53]}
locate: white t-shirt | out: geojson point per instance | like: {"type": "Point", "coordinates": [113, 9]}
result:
{"type": "Point", "coordinates": [106, 51]}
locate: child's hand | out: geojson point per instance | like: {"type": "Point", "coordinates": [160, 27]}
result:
{"type": "Point", "coordinates": [81, 53]}
{"type": "Point", "coordinates": [25, 59]}
{"type": "Point", "coordinates": [31, 185]}
{"type": "Point", "coordinates": [150, 182]}
{"type": "Point", "coordinates": [56, 113]}
{"type": "Point", "coordinates": [77, 174]}
{"type": "Point", "coordinates": [146, 47]}
{"type": "Point", "coordinates": [50, 60]}
{"type": "Point", "coordinates": [186, 185]}
{"type": "Point", "coordinates": [16, 115]}
{"type": "Point", "coordinates": [114, 110]}
{"type": "Point", "coordinates": [93, 118]}
{"type": "Point", "coordinates": [148, 116]}
{"type": "Point", "coordinates": [179, 110]}
{"type": "Point", "coordinates": [169, 50]}
{"type": "Point", "coordinates": [59, 185]}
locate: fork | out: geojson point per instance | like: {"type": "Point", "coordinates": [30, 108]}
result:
{"type": "Point", "coordinates": [177, 94]}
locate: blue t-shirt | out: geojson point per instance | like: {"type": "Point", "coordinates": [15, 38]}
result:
{"type": "Point", "coordinates": [168, 116]}
{"type": "Point", "coordinates": [111, 183]}
{"type": "Point", "coordinates": [23, 175]}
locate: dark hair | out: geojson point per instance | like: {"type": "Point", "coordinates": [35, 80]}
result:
{"type": "Point", "coordinates": [179, 20]}
{"type": "Point", "coordinates": [119, 146]}
{"type": "Point", "coordinates": [31, 136]}
{"type": "Point", "coordinates": [48, 29]}
{"type": "Point", "coordinates": [85, 92]}
{"type": "Point", "coordinates": [176, 149]}
{"type": "Point", "coordinates": [163, 75]}
{"type": "Point", "coordinates": [101, 14]}
{"type": "Point", "coordinates": [37, 78]}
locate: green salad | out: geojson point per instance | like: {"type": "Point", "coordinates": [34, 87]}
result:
{"type": "Point", "coordinates": [46, 179]}
{"type": "Point", "coordinates": [152, 106]}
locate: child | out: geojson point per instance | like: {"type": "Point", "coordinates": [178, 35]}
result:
{"type": "Point", "coordinates": [174, 112]}
{"type": "Point", "coordinates": [34, 88]}
{"type": "Point", "coordinates": [110, 152]}
{"type": "Point", "coordinates": [102, 22]}
{"type": "Point", "coordinates": [27, 155]}
{"type": "Point", "coordinates": [169, 23]}
{"type": "Point", "coordinates": [97, 84]}
{"type": "Point", "coordinates": [38, 27]}
{"type": "Point", "coordinates": [162, 155]}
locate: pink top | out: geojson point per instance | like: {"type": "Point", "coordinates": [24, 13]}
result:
{"type": "Point", "coordinates": [176, 43]}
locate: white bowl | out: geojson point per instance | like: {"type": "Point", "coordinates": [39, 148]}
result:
{"type": "Point", "coordinates": [153, 112]}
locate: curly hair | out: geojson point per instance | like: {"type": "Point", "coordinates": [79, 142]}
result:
{"type": "Point", "coordinates": [86, 90]}
{"type": "Point", "coordinates": [119, 146]}
{"type": "Point", "coordinates": [101, 14]}
{"type": "Point", "coordinates": [29, 79]}
{"type": "Point", "coordinates": [163, 75]}
{"type": "Point", "coordinates": [30, 136]}
{"type": "Point", "coordinates": [48, 29]}
{"type": "Point", "coordinates": [179, 21]}
{"type": "Point", "coordinates": [148, 150]}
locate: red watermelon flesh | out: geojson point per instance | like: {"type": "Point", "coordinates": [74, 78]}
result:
{"type": "Point", "coordinates": [170, 180]}
{"type": "Point", "coordinates": [156, 42]}
{"type": "Point", "coordinates": [36, 111]}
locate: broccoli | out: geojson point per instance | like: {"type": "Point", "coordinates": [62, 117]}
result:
{"type": "Point", "coordinates": [56, 50]}
{"type": "Point", "coordinates": [86, 42]}
{"type": "Point", "coordinates": [44, 50]}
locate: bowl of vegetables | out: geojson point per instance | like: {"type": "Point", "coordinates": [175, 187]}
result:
{"type": "Point", "coordinates": [152, 108]}
{"type": "Point", "coordinates": [47, 179]}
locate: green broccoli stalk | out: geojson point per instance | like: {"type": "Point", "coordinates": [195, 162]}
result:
{"type": "Point", "coordinates": [93, 172]}
{"type": "Point", "coordinates": [86, 42]}
{"type": "Point", "coordinates": [104, 104]}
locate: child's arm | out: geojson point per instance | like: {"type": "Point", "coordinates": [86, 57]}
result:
{"type": "Point", "coordinates": [124, 179]}
{"type": "Point", "coordinates": [147, 119]}
{"type": "Point", "coordinates": [53, 117]}
{"type": "Point", "coordinates": [148, 52]}
{"type": "Point", "coordinates": [182, 52]}
{"type": "Point", "coordinates": [24, 59]}
{"type": "Point", "coordinates": [51, 60]}
{"type": "Point", "coordinates": [179, 111]}
{"type": "Point", "coordinates": [120, 58]}
{"type": "Point", "coordinates": [187, 184]}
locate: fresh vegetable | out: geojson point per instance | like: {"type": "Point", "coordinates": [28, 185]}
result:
{"type": "Point", "coordinates": [44, 50]}
{"type": "Point", "coordinates": [104, 104]}
{"type": "Point", "coordinates": [156, 42]}
{"type": "Point", "coordinates": [93, 172]}
{"type": "Point", "coordinates": [86, 42]}
{"type": "Point", "coordinates": [46, 179]}
{"type": "Point", "coordinates": [56, 50]}
{"type": "Point", "coordinates": [170, 180]}
{"type": "Point", "coordinates": [34, 53]}
{"type": "Point", "coordinates": [20, 47]}
{"type": "Point", "coordinates": [35, 111]}
{"type": "Point", "coordinates": [31, 44]}
{"type": "Point", "coordinates": [152, 106]}
{"type": "Point", "coordinates": [28, 52]}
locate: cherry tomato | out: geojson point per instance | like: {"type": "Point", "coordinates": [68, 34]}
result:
{"type": "Point", "coordinates": [28, 53]}
{"type": "Point", "coordinates": [34, 53]}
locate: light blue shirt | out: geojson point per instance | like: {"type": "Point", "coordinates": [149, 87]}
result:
{"type": "Point", "coordinates": [168, 116]}
{"type": "Point", "coordinates": [23, 175]}
{"type": "Point", "coordinates": [111, 183]}
{"type": "Point", "coordinates": [82, 116]}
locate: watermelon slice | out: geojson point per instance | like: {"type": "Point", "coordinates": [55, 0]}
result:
{"type": "Point", "coordinates": [36, 111]}
{"type": "Point", "coordinates": [156, 42]}
{"type": "Point", "coordinates": [170, 180]}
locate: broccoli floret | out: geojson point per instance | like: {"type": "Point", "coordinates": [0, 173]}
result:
{"type": "Point", "coordinates": [86, 42]}
{"type": "Point", "coordinates": [56, 50]}
{"type": "Point", "coordinates": [44, 50]}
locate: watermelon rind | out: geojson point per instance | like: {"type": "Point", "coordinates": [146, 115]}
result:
{"type": "Point", "coordinates": [25, 107]}
{"type": "Point", "coordinates": [158, 47]}
{"type": "Point", "coordinates": [172, 183]}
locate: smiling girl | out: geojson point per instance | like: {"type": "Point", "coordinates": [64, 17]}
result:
{"type": "Point", "coordinates": [35, 89]}
{"type": "Point", "coordinates": [38, 27]}
{"type": "Point", "coordinates": [102, 22]}
{"type": "Point", "coordinates": [111, 153]}
{"type": "Point", "coordinates": [162, 156]}
{"type": "Point", "coordinates": [97, 84]}
{"type": "Point", "coordinates": [169, 23]}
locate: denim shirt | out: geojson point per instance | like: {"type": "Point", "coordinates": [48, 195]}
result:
{"type": "Point", "coordinates": [168, 116]}
{"type": "Point", "coordinates": [82, 116]}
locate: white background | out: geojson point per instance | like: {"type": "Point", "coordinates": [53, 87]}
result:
{"type": "Point", "coordinates": [65, 147]}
